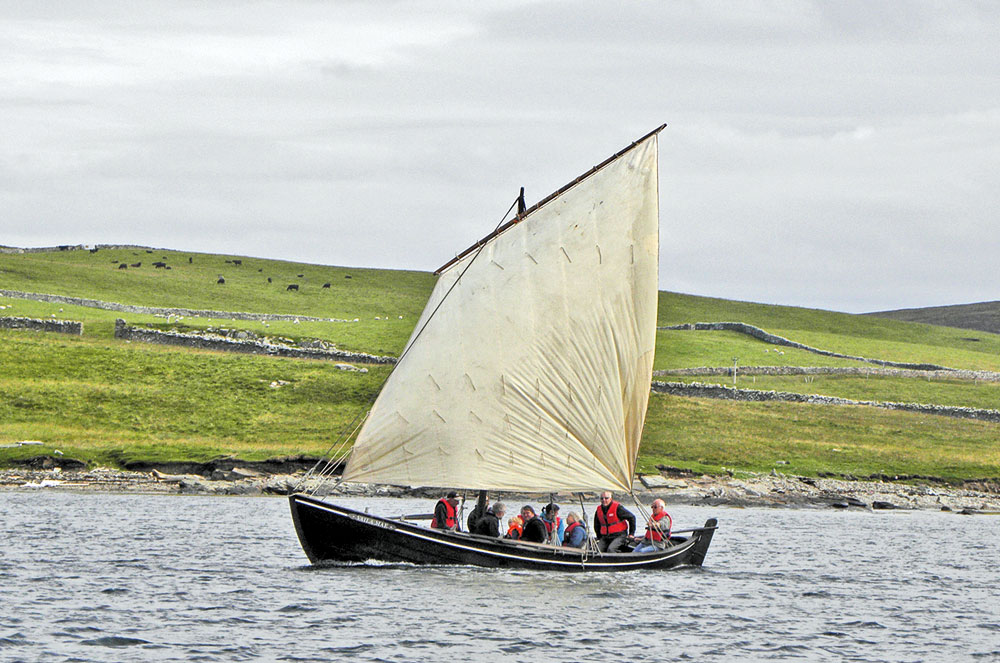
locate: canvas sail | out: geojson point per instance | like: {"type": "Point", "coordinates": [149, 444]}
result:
{"type": "Point", "coordinates": [534, 372]}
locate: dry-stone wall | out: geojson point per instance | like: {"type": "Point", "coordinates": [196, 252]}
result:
{"type": "Point", "coordinates": [74, 247]}
{"type": "Point", "coordinates": [699, 390]}
{"type": "Point", "coordinates": [760, 334]}
{"type": "Point", "coordinates": [61, 326]}
{"type": "Point", "coordinates": [249, 346]}
{"type": "Point", "coordinates": [150, 310]}
{"type": "Point", "coordinates": [852, 371]}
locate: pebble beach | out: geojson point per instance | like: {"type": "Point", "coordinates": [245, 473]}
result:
{"type": "Point", "coordinates": [743, 490]}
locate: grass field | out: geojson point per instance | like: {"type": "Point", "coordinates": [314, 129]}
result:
{"type": "Point", "coordinates": [107, 402]}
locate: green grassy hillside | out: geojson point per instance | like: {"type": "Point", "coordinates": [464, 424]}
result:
{"type": "Point", "coordinates": [108, 402]}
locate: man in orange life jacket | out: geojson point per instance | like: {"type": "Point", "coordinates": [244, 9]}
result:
{"type": "Point", "coordinates": [613, 524]}
{"type": "Point", "coordinates": [657, 529]}
{"type": "Point", "coordinates": [445, 512]}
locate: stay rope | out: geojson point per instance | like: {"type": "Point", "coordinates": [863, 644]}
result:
{"type": "Point", "coordinates": [330, 460]}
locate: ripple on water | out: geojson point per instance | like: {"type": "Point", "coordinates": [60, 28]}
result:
{"type": "Point", "coordinates": [115, 641]}
{"type": "Point", "coordinates": [14, 640]}
{"type": "Point", "coordinates": [295, 607]}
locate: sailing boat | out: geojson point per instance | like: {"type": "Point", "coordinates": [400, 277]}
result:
{"type": "Point", "coordinates": [528, 371]}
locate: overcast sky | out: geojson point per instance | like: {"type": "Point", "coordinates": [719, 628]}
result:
{"type": "Point", "coordinates": [840, 155]}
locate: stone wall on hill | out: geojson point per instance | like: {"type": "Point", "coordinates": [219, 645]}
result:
{"type": "Point", "coordinates": [850, 371]}
{"type": "Point", "coordinates": [151, 310]}
{"type": "Point", "coordinates": [249, 346]}
{"type": "Point", "coordinates": [699, 390]}
{"type": "Point", "coordinates": [60, 326]}
{"type": "Point", "coordinates": [774, 339]}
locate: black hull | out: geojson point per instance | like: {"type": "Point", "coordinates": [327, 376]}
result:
{"type": "Point", "coordinates": [334, 534]}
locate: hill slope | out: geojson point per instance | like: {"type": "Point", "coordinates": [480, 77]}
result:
{"type": "Point", "coordinates": [983, 316]}
{"type": "Point", "coordinates": [110, 402]}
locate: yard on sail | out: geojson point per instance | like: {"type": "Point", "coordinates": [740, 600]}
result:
{"type": "Point", "coordinates": [529, 371]}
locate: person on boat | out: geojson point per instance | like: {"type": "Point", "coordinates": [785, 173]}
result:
{"type": "Point", "coordinates": [489, 523]}
{"type": "Point", "coordinates": [657, 529]}
{"type": "Point", "coordinates": [476, 514]}
{"type": "Point", "coordinates": [514, 527]}
{"type": "Point", "coordinates": [553, 523]}
{"type": "Point", "coordinates": [613, 524]}
{"type": "Point", "coordinates": [533, 528]}
{"type": "Point", "coordinates": [446, 512]}
{"type": "Point", "coordinates": [576, 531]}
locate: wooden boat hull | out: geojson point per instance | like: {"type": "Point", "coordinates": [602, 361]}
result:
{"type": "Point", "coordinates": [332, 534]}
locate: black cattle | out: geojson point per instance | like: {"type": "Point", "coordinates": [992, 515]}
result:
{"type": "Point", "coordinates": [93, 250]}
{"type": "Point", "coordinates": [347, 276]}
{"type": "Point", "coordinates": [300, 276]}
{"type": "Point", "coordinates": [190, 259]}
{"type": "Point", "coordinates": [159, 264]}
{"type": "Point", "coordinates": [293, 286]}
{"type": "Point", "coordinates": [149, 250]}
{"type": "Point", "coordinates": [221, 280]}
{"type": "Point", "coordinates": [326, 285]}
{"type": "Point", "coordinates": [136, 264]}
{"type": "Point", "coordinates": [237, 262]}
{"type": "Point", "coordinates": [123, 266]}
{"type": "Point", "coordinates": [268, 279]}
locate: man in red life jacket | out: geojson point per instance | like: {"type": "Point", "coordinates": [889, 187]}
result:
{"type": "Point", "coordinates": [657, 529]}
{"type": "Point", "coordinates": [613, 524]}
{"type": "Point", "coordinates": [446, 513]}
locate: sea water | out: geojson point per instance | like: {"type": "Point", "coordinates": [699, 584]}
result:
{"type": "Point", "coordinates": [98, 577]}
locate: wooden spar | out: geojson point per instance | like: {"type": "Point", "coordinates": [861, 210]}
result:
{"type": "Point", "coordinates": [547, 199]}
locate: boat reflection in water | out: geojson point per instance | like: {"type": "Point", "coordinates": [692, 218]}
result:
{"type": "Point", "coordinates": [528, 371]}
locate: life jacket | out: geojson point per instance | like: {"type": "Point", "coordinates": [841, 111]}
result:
{"type": "Point", "coordinates": [569, 531]}
{"type": "Point", "coordinates": [655, 534]}
{"type": "Point", "coordinates": [450, 519]}
{"type": "Point", "coordinates": [610, 524]}
{"type": "Point", "coordinates": [515, 531]}
{"type": "Point", "coordinates": [552, 526]}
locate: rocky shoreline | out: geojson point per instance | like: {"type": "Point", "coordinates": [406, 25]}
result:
{"type": "Point", "coordinates": [775, 490]}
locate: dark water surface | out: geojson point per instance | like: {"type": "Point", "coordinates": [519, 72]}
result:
{"type": "Point", "coordinates": [161, 578]}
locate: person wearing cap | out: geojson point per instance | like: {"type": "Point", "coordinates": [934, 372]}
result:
{"type": "Point", "coordinates": [554, 525]}
{"type": "Point", "coordinates": [489, 523]}
{"type": "Point", "coordinates": [446, 512]}
{"type": "Point", "coordinates": [613, 524]}
{"type": "Point", "coordinates": [657, 529]}
{"type": "Point", "coordinates": [533, 528]}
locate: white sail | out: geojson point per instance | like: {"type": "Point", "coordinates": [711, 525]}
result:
{"type": "Point", "coordinates": [534, 373]}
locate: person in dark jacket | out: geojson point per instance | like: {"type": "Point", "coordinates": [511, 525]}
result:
{"type": "Point", "coordinates": [613, 524]}
{"type": "Point", "coordinates": [475, 515]}
{"type": "Point", "coordinates": [446, 512]}
{"type": "Point", "coordinates": [534, 528]}
{"type": "Point", "coordinates": [489, 523]}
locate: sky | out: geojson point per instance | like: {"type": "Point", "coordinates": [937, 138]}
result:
{"type": "Point", "coordinates": [841, 155]}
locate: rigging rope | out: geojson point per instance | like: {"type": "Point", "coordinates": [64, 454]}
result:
{"type": "Point", "coordinates": [341, 442]}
